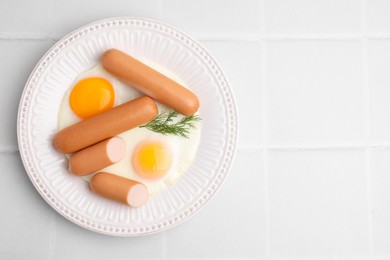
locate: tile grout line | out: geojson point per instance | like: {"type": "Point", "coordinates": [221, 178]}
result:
{"type": "Point", "coordinates": [324, 146]}
{"type": "Point", "coordinates": [264, 113]}
{"type": "Point", "coordinates": [321, 258]}
{"type": "Point", "coordinates": [51, 19]}
{"type": "Point", "coordinates": [258, 37]}
{"type": "Point", "coordinates": [52, 236]}
{"type": "Point", "coordinates": [369, 202]}
{"type": "Point", "coordinates": [266, 193]}
{"type": "Point", "coordinates": [164, 245]}
{"type": "Point", "coordinates": [23, 37]}
{"type": "Point", "coordinates": [303, 147]}
{"type": "Point", "coordinates": [222, 37]}
{"type": "Point", "coordinates": [365, 76]}
{"type": "Point", "coordinates": [367, 125]}
{"type": "Point", "coordinates": [264, 107]}
{"type": "Point", "coordinates": [313, 37]}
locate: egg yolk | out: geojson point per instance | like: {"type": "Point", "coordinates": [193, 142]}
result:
{"type": "Point", "coordinates": [151, 160]}
{"type": "Point", "coordinates": [91, 96]}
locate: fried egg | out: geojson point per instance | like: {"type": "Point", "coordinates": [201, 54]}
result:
{"type": "Point", "coordinates": [92, 92]}
{"type": "Point", "coordinates": [151, 158]}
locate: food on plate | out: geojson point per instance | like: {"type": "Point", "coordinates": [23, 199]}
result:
{"type": "Point", "coordinates": [111, 128]}
{"type": "Point", "coordinates": [111, 186]}
{"type": "Point", "coordinates": [105, 125]}
{"type": "Point", "coordinates": [97, 156]}
{"type": "Point", "coordinates": [150, 82]}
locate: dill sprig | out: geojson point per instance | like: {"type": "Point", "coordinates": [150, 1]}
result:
{"type": "Point", "coordinates": [164, 124]}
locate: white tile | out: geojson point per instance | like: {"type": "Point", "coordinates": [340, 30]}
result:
{"type": "Point", "coordinates": [232, 225]}
{"type": "Point", "coordinates": [25, 17]}
{"type": "Point", "coordinates": [378, 19]}
{"type": "Point", "coordinates": [21, 57]}
{"type": "Point", "coordinates": [380, 167]}
{"type": "Point", "coordinates": [318, 203]}
{"type": "Point", "coordinates": [315, 92]}
{"type": "Point", "coordinates": [70, 15]}
{"type": "Point", "coordinates": [241, 62]}
{"type": "Point", "coordinates": [379, 82]}
{"type": "Point", "coordinates": [25, 216]}
{"type": "Point", "coordinates": [312, 16]}
{"type": "Point", "coordinates": [74, 242]}
{"type": "Point", "coordinates": [213, 17]}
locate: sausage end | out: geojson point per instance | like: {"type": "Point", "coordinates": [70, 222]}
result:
{"type": "Point", "coordinates": [109, 52]}
{"type": "Point", "coordinates": [116, 149]}
{"type": "Point", "coordinates": [138, 195]}
{"type": "Point", "coordinates": [59, 143]}
{"type": "Point", "coordinates": [193, 107]}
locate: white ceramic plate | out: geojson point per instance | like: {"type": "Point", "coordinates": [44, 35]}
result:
{"type": "Point", "coordinates": [149, 41]}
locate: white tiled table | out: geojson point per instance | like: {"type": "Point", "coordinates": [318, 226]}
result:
{"type": "Point", "coordinates": [311, 178]}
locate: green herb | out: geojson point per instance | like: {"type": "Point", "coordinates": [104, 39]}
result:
{"type": "Point", "coordinates": [164, 124]}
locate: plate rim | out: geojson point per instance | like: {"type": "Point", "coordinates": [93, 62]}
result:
{"type": "Point", "coordinates": [114, 22]}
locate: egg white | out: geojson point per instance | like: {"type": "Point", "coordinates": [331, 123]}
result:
{"type": "Point", "coordinates": [183, 150]}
